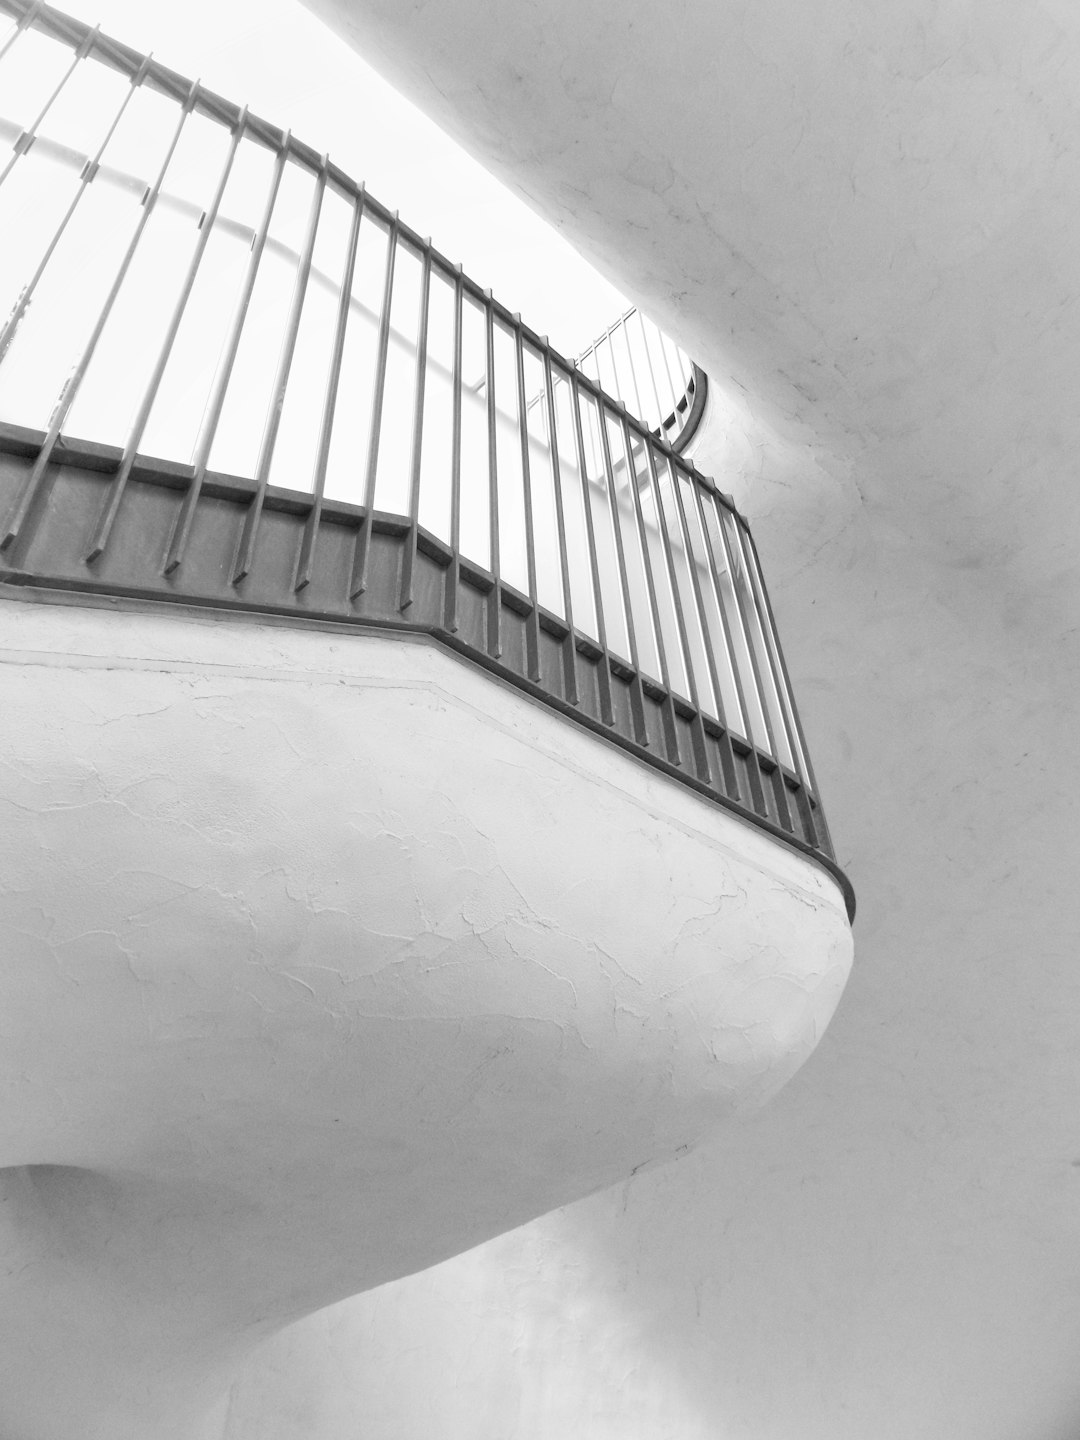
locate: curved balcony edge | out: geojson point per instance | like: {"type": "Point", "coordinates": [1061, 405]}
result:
{"type": "Point", "coordinates": [458, 603]}
{"type": "Point", "coordinates": [327, 957]}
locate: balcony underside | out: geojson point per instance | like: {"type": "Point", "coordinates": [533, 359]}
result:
{"type": "Point", "coordinates": [328, 955]}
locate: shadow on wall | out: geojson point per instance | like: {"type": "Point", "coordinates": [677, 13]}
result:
{"type": "Point", "coordinates": [869, 1256]}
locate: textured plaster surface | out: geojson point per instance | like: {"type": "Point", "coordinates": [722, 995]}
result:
{"type": "Point", "coordinates": [861, 219]}
{"type": "Point", "coordinates": [327, 956]}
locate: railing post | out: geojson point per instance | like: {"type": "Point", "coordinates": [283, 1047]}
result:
{"type": "Point", "coordinates": [177, 545]}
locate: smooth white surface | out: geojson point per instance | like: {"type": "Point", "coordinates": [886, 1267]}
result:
{"type": "Point", "coordinates": [861, 219]}
{"type": "Point", "coordinates": [326, 956]}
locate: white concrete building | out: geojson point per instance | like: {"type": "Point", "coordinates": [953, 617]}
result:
{"type": "Point", "coordinates": [286, 1025]}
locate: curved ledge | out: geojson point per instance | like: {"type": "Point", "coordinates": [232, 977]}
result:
{"type": "Point", "coordinates": [330, 962]}
{"type": "Point", "coordinates": [460, 604]}
{"type": "Point", "coordinates": [693, 403]}
{"type": "Point", "coordinates": [699, 393]}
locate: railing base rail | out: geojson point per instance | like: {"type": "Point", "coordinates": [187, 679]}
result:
{"type": "Point", "coordinates": [51, 549]}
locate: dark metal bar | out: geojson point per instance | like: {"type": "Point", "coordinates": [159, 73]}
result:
{"type": "Point", "coordinates": [637, 696]}
{"type": "Point", "coordinates": [245, 549]}
{"type": "Point", "coordinates": [680, 618]}
{"type": "Point", "coordinates": [107, 518]}
{"type": "Point", "coordinates": [813, 820]}
{"type": "Point", "coordinates": [89, 170]}
{"type": "Point", "coordinates": [333, 380]}
{"type": "Point", "coordinates": [532, 621]}
{"type": "Point", "coordinates": [781, 676]}
{"type": "Point", "coordinates": [494, 557]}
{"type": "Point", "coordinates": [453, 570]}
{"type": "Point", "coordinates": [671, 735]}
{"type": "Point", "coordinates": [771, 678]}
{"type": "Point", "coordinates": [726, 758]}
{"type": "Point", "coordinates": [408, 562]}
{"type": "Point", "coordinates": [757, 784]}
{"type": "Point", "coordinates": [652, 372]}
{"type": "Point", "coordinates": [778, 785]}
{"type": "Point", "coordinates": [358, 583]}
{"type": "Point", "coordinates": [26, 139]}
{"type": "Point", "coordinates": [204, 444]}
{"type": "Point", "coordinates": [569, 651]}
{"type": "Point", "coordinates": [70, 390]}
{"type": "Point", "coordinates": [607, 713]}
{"type": "Point", "coordinates": [633, 368]}
{"type": "Point", "coordinates": [671, 383]}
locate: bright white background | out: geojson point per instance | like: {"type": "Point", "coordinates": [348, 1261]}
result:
{"type": "Point", "coordinates": [276, 57]}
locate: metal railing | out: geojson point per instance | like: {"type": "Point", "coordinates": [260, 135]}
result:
{"type": "Point", "coordinates": [635, 361]}
{"type": "Point", "coordinates": [229, 376]}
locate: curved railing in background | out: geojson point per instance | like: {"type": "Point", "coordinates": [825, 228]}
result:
{"type": "Point", "coordinates": [637, 363]}
{"type": "Point", "coordinates": [231, 377]}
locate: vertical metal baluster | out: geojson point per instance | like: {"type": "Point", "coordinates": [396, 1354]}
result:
{"type": "Point", "coordinates": [681, 402]}
{"type": "Point", "coordinates": [595, 358]}
{"type": "Point", "coordinates": [453, 573]}
{"type": "Point", "coordinates": [358, 582]}
{"type": "Point", "coordinates": [727, 762]}
{"type": "Point", "coordinates": [748, 640]}
{"type": "Point", "coordinates": [659, 428]}
{"type": "Point", "coordinates": [583, 359]}
{"type": "Point", "coordinates": [245, 548]}
{"type": "Point", "coordinates": [740, 530]}
{"type": "Point", "coordinates": [111, 507]}
{"type": "Point", "coordinates": [24, 22]}
{"type": "Point", "coordinates": [686, 372]}
{"type": "Point", "coordinates": [615, 383]}
{"type": "Point", "coordinates": [757, 784]}
{"type": "Point", "coordinates": [89, 170]}
{"type": "Point", "coordinates": [333, 380]}
{"type": "Point", "coordinates": [532, 623]}
{"type": "Point", "coordinates": [680, 618]}
{"type": "Point", "coordinates": [75, 379]}
{"type": "Point", "coordinates": [742, 534]}
{"type": "Point", "coordinates": [594, 365]}
{"type": "Point", "coordinates": [24, 141]}
{"type": "Point", "coordinates": [781, 681]}
{"type": "Point", "coordinates": [637, 694]}
{"type": "Point", "coordinates": [630, 362]}
{"type": "Point", "coordinates": [494, 556]}
{"type": "Point", "coordinates": [607, 713]}
{"type": "Point", "coordinates": [671, 386]}
{"type": "Point", "coordinates": [817, 824]}
{"type": "Point", "coordinates": [735, 563]}
{"type": "Point", "coordinates": [215, 405]}
{"type": "Point", "coordinates": [671, 729]}
{"type": "Point", "coordinates": [408, 559]}
{"type": "Point", "coordinates": [569, 644]}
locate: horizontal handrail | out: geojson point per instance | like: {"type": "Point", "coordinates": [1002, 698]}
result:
{"type": "Point", "coordinates": [212, 325]}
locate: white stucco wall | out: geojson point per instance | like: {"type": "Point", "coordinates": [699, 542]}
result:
{"type": "Point", "coordinates": [860, 220]}
{"type": "Point", "coordinates": [326, 956]}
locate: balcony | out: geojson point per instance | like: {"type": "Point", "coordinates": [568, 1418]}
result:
{"type": "Point", "coordinates": [410, 823]}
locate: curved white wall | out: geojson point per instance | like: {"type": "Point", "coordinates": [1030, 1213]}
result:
{"type": "Point", "coordinates": [861, 220]}
{"type": "Point", "coordinates": [328, 956]}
